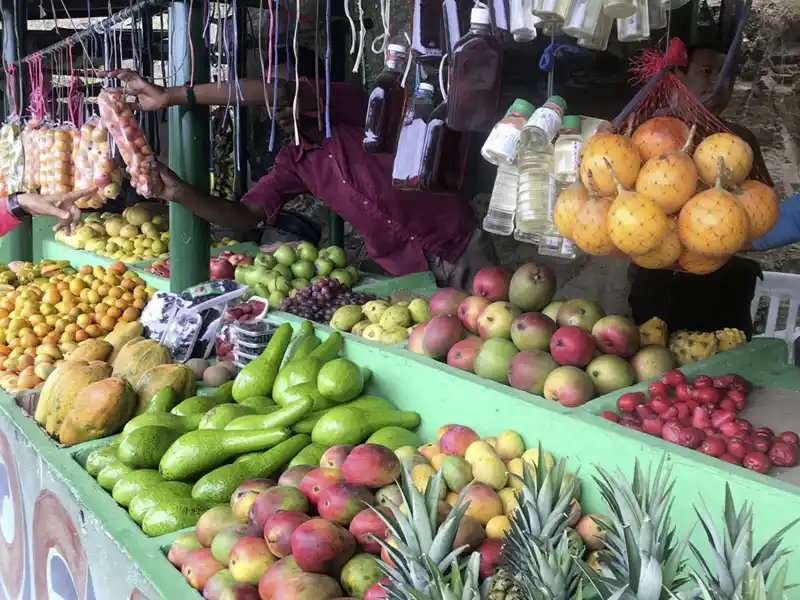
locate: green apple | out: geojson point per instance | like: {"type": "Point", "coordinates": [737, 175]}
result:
{"type": "Point", "coordinates": [300, 283]}
{"type": "Point", "coordinates": [353, 273]}
{"type": "Point", "coordinates": [342, 276]}
{"type": "Point", "coordinates": [275, 299]}
{"type": "Point", "coordinates": [261, 290]}
{"type": "Point", "coordinates": [265, 260]}
{"type": "Point", "coordinates": [307, 251]}
{"type": "Point", "coordinates": [303, 268]}
{"type": "Point", "coordinates": [256, 275]}
{"type": "Point", "coordinates": [336, 255]}
{"type": "Point", "coordinates": [285, 255]}
{"type": "Point", "coordinates": [324, 267]}
{"type": "Point", "coordinates": [315, 279]}
{"type": "Point", "coordinates": [282, 285]}
{"type": "Point", "coordinates": [283, 271]}
{"type": "Point", "coordinates": [240, 274]}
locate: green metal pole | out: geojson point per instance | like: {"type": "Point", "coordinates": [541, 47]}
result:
{"type": "Point", "coordinates": [17, 244]}
{"type": "Point", "coordinates": [188, 149]}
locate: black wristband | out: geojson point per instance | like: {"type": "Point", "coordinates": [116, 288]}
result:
{"type": "Point", "coordinates": [14, 209]}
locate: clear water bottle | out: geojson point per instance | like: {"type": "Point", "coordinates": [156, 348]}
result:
{"type": "Point", "coordinates": [503, 142]}
{"type": "Point", "coordinates": [635, 28]}
{"type": "Point", "coordinates": [598, 41]}
{"type": "Point", "coordinates": [551, 11]}
{"type": "Point", "coordinates": [566, 156]}
{"type": "Point", "coordinates": [658, 15]}
{"type": "Point", "coordinates": [500, 216]}
{"type": "Point", "coordinates": [535, 195]}
{"type": "Point", "coordinates": [542, 128]}
{"type": "Point", "coordinates": [551, 243]}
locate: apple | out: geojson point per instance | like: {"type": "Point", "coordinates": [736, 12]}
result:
{"type": "Point", "coordinates": [255, 275]}
{"type": "Point", "coordinates": [219, 268]}
{"type": "Point", "coordinates": [616, 335]}
{"type": "Point", "coordinates": [307, 251]}
{"type": "Point", "coordinates": [303, 269]}
{"type": "Point", "coordinates": [469, 310]}
{"type": "Point", "coordinates": [336, 255]}
{"type": "Point", "coordinates": [285, 255]}
{"type": "Point", "coordinates": [579, 313]}
{"type": "Point", "coordinates": [532, 331]}
{"type": "Point", "coordinates": [265, 260]}
{"type": "Point", "coordinates": [491, 283]}
{"type": "Point", "coordinates": [572, 346]}
{"type": "Point", "coordinates": [324, 267]}
{"type": "Point", "coordinates": [495, 320]}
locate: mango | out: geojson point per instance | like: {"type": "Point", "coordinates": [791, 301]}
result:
{"type": "Point", "coordinates": [273, 500]}
{"type": "Point", "coordinates": [491, 470]}
{"type": "Point", "coordinates": [293, 476]}
{"type": "Point", "coordinates": [457, 439]}
{"type": "Point", "coordinates": [470, 533]}
{"type": "Point", "coordinates": [508, 496]}
{"type": "Point", "coordinates": [484, 503]}
{"type": "Point", "coordinates": [279, 529]}
{"type": "Point", "coordinates": [249, 559]}
{"type": "Point", "coordinates": [409, 462]}
{"type": "Point", "coordinates": [199, 567]}
{"type": "Point", "coordinates": [531, 457]}
{"type": "Point", "coordinates": [443, 429]}
{"type": "Point", "coordinates": [430, 450]}
{"type": "Point", "coordinates": [593, 535]}
{"type": "Point", "coordinates": [341, 502]}
{"type": "Point", "coordinates": [514, 467]}
{"type": "Point", "coordinates": [280, 572]}
{"type": "Point", "coordinates": [308, 586]}
{"type": "Point", "coordinates": [497, 527]}
{"type": "Point", "coordinates": [437, 461]}
{"type": "Point", "coordinates": [421, 475]}
{"type": "Point", "coordinates": [478, 449]}
{"type": "Point", "coordinates": [389, 495]}
{"type": "Point", "coordinates": [406, 451]}
{"type": "Point", "coordinates": [334, 457]}
{"type": "Point", "coordinates": [182, 546]}
{"type": "Point", "coordinates": [366, 524]}
{"type": "Point", "coordinates": [317, 481]}
{"type": "Point", "coordinates": [372, 466]}
{"type": "Point", "coordinates": [359, 574]}
{"type": "Point", "coordinates": [456, 472]}
{"type": "Point", "coordinates": [219, 582]}
{"type": "Point", "coordinates": [509, 445]}
{"type": "Point", "coordinates": [225, 539]}
{"type": "Point", "coordinates": [320, 546]}
{"type": "Point", "coordinates": [240, 591]}
{"type": "Point", "coordinates": [244, 496]}
{"type": "Point", "coordinates": [212, 522]}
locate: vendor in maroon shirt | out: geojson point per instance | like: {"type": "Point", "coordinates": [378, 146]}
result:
{"type": "Point", "coordinates": [404, 231]}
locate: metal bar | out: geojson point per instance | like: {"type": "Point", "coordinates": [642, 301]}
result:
{"type": "Point", "coordinates": [101, 27]}
{"type": "Point", "coordinates": [17, 244]}
{"type": "Point", "coordinates": [188, 146]}
{"type": "Point", "coordinates": [340, 71]}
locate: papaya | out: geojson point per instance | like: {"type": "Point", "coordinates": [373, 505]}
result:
{"type": "Point", "coordinates": [122, 334]}
{"type": "Point", "coordinates": [135, 359]}
{"type": "Point", "coordinates": [178, 377]}
{"type": "Point", "coordinates": [115, 355]}
{"type": "Point", "coordinates": [63, 386]}
{"type": "Point", "coordinates": [91, 349]}
{"type": "Point", "coordinates": [100, 409]}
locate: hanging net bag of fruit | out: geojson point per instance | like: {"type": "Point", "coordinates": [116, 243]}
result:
{"type": "Point", "coordinates": [672, 186]}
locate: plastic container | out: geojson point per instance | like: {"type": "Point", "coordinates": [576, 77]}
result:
{"type": "Point", "coordinates": [599, 41]}
{"type": "Point", "coordinates": [620, 9]}
{"type": "Point", "coordinates": [566, 153]}
{"type": "Point", "coordinates": [658, 15]}
{"type": "Point", "coordinates": [427, 41]}
{"type": "Point", "coordinates": [591, 125]}
{"type": "Point", "coordinates": [635, 28]}
{"type": "Point", "coordinates": [503, 142]}
{"type": "Point", "coordinates": [386, 101]}
{"type": "Point", "coordinates": [583, 18]}
{"type": "Point", "coordinates": [136, 153]}
{"type": "Point", "coordinates": [544, 124]}
{"type": "Point", "coordinates": [407, 168]}
{"type": "Point", "coordinates": [499, 218]}
{"type": "Point", "coordinates": [500, 15]}
{"type": "Point", "coordinates": [536, 194]}
{"type": "Point", "coordinates": [456, 20]}
{"type": "Point", "coordinates": [476, 64]}
{"type": "Point", "coordinates": [552, 11]}
{"type": "Point", "coordinates": [253, 334]}
{"type": "Point", "coordinates": [523, 23]}
{"type": "Point", "coordinates": [181, 335]}
{"type": "Point", "coordinates": [95, 166]}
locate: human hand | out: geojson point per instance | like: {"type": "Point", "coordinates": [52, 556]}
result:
{"type": "Point", "coordinates": [146, 96]}
{"type": "Point", "coordinates": [60, 206]}
{"type": "Point", "coordinates": [171, 184]}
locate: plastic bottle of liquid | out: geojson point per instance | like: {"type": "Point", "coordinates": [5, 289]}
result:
{"type": "Point", "coordinates": [552, 11]}
{"type": "Point", "coordinates": [427, 41]}
{"type": "Point", "coordinates": [475, 77]}
{"type": "Point", "coordinates": [567, 150]}
{"type": "Point", "coordinates": [456, 20]}
{"type": "Point", "coordinates": [411, 141]}
{"type": "Point", "coordinates": [385, 106]}
{"type": "Point", "coordinates": [503, 142]}
{"type": "Point", "coordinates": [535, 194]}
{"type": "Point", "coordinates": [503, 202]}
{"type": "Point", "coordinates": [522, 21]}
{"type": "Point", "coordinates": [542, 128]}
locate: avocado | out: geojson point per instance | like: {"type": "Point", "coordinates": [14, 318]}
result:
{"type": "Point", "coordinates": [297, 392]}
{"type": "Point", "coordinates": [172, 514]}
{"type": "Point", "coordinates": [299, 371]}
{"type": "Point", "coordinates": [131, 484]}
{"type": "Point", "coordinates": [283, 417]}
{"type": "Point", "coordinates": [348, 425]}
{"type": "Point", "coordinates": [310, 455]}
{"type": "Point", "coordinates": [111, 474]}
{"type": "Point", "coordinates": [218, 485]}
{"type": "Point", "coordinates": [162, 419]}
{"type": "Point", "coordinates": [222, 414]}
{"type": "Point", "coordinates": [144, 447]}
{"type": "Point", "coordinates": [164, 401]}
{"type": "Point", "coordinates": [197, 452]}
{"type": "Point", "coordinates": [258, 377]}
{"type": "Point", "coordinates": [261, 404]}
{"type": "Point", "coordinates": [306, 424]}
{"type": "Point", "coordinates": [197, 405]}
{"type": "Point", "coordinates": [340, 381]}
{"type": "Point", "coordinates": [150, 497]}
{"type": "Point", "coordinates": [394, 437]}
{"type": "Point", "coordinates": [101, 458]}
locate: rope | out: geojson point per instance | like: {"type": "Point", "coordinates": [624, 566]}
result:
{"type": "Point", "coordinates": [352, 26]}
{"type": "Point", "coordinates": [261, 55]}
{"type": "Point", "coordinates": [362, 31]}
{"type": "Point", "coordinates": [12, 81]}
{"type": "Point", "coordinates": [328, 68]}
{"type": "Point", "coordinates": [554, 51]}
{"type": "Point", "coordinates": [296, 77]}
{"type": "Point", "coordinates": [277, 23]}
{"type": "Point", "coordinates": [382, 39]}
{"type": "Point", "coordinates": [441, 76]}
{"type": "Point", "coordinates": [408, 62]}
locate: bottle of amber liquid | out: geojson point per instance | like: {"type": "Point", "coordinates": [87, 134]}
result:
{"type": "Point", "coordinates": [385, 105]}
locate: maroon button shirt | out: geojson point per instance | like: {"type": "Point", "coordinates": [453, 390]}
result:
{"type": "Point", "coordinates": [397, 226]}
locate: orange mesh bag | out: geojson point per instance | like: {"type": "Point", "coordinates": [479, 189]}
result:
{"type": "Point", "coordinates": [682, 190]}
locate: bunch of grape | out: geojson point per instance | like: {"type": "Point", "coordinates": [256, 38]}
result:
{"type": "Point", "coordinates": [320, 300]}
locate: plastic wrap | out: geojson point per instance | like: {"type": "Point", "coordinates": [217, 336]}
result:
{"type": "Point", "coordinates": [94, 165]}
{"type": "Point", "coordinates": [56, 160]}
{"type": "Point", "coordinates": [12, 159]}
{"type": "Point", "coordinates": [30, 146]}
{"type": "Point", "coordinates": [136, 153]}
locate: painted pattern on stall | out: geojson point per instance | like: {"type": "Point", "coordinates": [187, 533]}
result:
{"type": "Point", "coordinates": [13, 566]}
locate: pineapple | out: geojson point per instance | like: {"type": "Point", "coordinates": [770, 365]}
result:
{"type": "Point", "coordinates": [692, 346]}
{"type": "Point", "coordinates": [728, 339]}
{"type": "Point", "coordinates": [426, 566]}
{"type": "Point", "coordinates": [641, 560]}
{"type": "Point", "coordinates": [537, 551]}
{"type": "Point", "coordinates": [653, 331]}
{"type": "Point", "coordinates": [735, 572]}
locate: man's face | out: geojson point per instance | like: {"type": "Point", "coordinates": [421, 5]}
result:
{"type": "Point", "coordinates": [701, 78]}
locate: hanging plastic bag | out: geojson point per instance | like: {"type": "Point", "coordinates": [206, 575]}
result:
{"type": "Point", "coordinates": [94, 165]}
{"type": "Point", "coordinates": [30, 148]}
{"type": "Point", "coordinates": [12, 158]}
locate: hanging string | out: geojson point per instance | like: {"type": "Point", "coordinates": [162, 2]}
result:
{"type": "Point", "coordinates": [316, 65]}
{"type": "Point", "coordinates": [230, 76]}
{"type": "Point", "coordinates": [191, 43]}
{"type": "Point", "coordinates": [382, 40]}
{"type": "Point", "coordinates": [408, 62]}
{"type": "Point", "coordinates": [271, 33]}
{"type": "Point", "coordinates": [237, 89]}
{"type": "Point", "coordinates": [12, 81]}
{"type": "Point", "coordinates": [328, 69]}
{"type": "Point", "coordinates": [296, 76]}
{"type": "Point", "coordinates": [352, 26]}
{"type": "Point", "coordinates": [261, 56]}
{"type": "Point", "coordinates": [73, 116]}
{"type": "Point", "coordinates": [362, 31]}
{"type": "Point", "coordinates": [441, 76]}
{"type": "Point", "coordinates": [274, 64]}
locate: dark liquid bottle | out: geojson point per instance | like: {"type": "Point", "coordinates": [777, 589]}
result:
{"type": "Point", "coordinates": [385, 106]}
{"type": "Point", "coordinates": [407, 172]}
{"type": "Point", "coordinates": [456, 20]}
{"type": "Point", "coordinates": [475, 77]}
{"type": "Point", "coordinates": [427, 32]}
{"type": "Point", "coordinates": [445, 153]}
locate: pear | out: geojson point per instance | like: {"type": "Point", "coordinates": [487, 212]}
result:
{"type": "Point", "coordinates": [374, 310]}
{"type": "Point", "coordinates": [358, 328]}
{"type": "Point", "coordinates": [394, 335]}
{"type": "Point", "coordinates": [374, 332]}
{"type": "Point", "coordinates": [346, 317]}
{"type": "Point", "coordinates": [418, 308]}
{"type": "Point", "coordinates": [395, 316]}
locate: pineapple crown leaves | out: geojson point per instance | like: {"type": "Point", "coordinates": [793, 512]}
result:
{"type": "Point", "coordinates": [733, 564]}
{"type": "Point", "coordinates": [753, 586]}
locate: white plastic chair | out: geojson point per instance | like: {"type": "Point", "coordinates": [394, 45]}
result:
{"type": "Point", "coordinates": [777, 287]}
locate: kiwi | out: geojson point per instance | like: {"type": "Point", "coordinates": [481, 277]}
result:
{"type": "Point", "coordinates": [198, 367]}
{"type": "Point", "coordinates": [217, 375]}
{"type": "Point", "coordinates": [229, 366]}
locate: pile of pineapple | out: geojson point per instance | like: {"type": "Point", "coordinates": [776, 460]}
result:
{"type": "Point", "coordinates": [647, 197]}
{"type": "Point", "coordinates": [691, 346]}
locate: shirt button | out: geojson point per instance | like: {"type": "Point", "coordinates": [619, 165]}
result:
{"type": "Point", "coordinates": [330, 155]}
{"type": "Point", "coordinates": [413, 238]}
{"type": "Point", "coordinates": [343, 181]}
{"type": "Point", "coordinates": [365, 202]}
{"type": "Point", "coordinates": [389, 221]}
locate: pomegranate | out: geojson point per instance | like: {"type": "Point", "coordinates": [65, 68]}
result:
{"type": "Point", "coordinates": [730, 459]}
{"type": "Point", "coordinates": [703, 381]}
{"type": "Point", "coordinates": [701, 419]}
{"type": "Point", "coordinates": [683, 392]}
{"type": "Point", "coordinates": [790, 437]}
{"type": "Point", "coordinates": [690, 437]}
{"type": "Point", "coordinates": [720, 417]}
{"type": "Point", "coordinates": [713, 445]}
{"type": "Point", "coordinates": [660, 404]}
{"type": "Point", "coordinates": [757, 461]}
{"type": "Point", "coordinates": [629, 401]}
{"type": "Point", "coordinates": [670, 413]}
{"type": "Point", "coordinates": [783, 454]}
{"type": "Point", "coordinates": [728, 405]}
{"type": "Point", "coordinates": [658, 388]}
{"type": "Point", "coordinates": [653, 426]}
{"type": "Point", "coordinates": [762, 443]}
{"type": "Point", "coordinates": [738, 398]}
{"type": "Point", "coordinates": [610, 415]}
{"type": "Point", "coordinates": [738, 447]}
{"type": "Point", "coordinates": [673, 378]}
{"type": "Point", "coordinates": [723, 153]}
{"type": "Point", "coordinates": [707, 395]}
{"type": "Point", "coordinates": [671, 431]}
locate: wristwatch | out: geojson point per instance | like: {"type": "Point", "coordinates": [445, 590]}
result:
{"type": "Point", "coordinates": [14, 208]}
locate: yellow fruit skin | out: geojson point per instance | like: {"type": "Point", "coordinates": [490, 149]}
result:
{"type": "Point", "coordinates": [497, 527]}
{"type": "Point", "coordinates": [509, 445]}
{"type": "Point", "coordinates": [99, 410]}
{"type": "Point", "coordinates": [700, 264]}
{"type": "Point", "coordinates": [666, 253]}
{"type": "Point", "coordinates": [591, 228]}
{"type": "Point", "coordinates": [760, 204]}
{"type": "Point", "coordinates": [713, 223]}
{"type": "Point", "coordinates": [624, 159]}
{"type": "Point", "coordinates": [668, 180]}
{"type": "Point", "coordinates": [508, 496]}
{"type": "Point", "coordinates": [491, 470]}
{"type": "Point", "coordinates": [568, 205]}
{"type": "Point", "coordinates": [636, 225]}
{"type": "Point", "coordinates": [735, 152]}
{"type": "Point", "coordinates": [654, 331]}
{"type": "Point", "coordinates": [477, 449]}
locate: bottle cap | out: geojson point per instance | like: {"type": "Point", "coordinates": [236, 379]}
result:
{"type": "Point", "coordinates": [571, 122]}
{"type": "Point", "coordinates": [426, 87]}
{"type": "Point", "coordinates": [397, 49]}
{"type": "Point", "coordinates": [479, 16]}
{"type": "Point", "coordinates": [557, 101]}
{"type": "Point", "coordinates": [521, 107]}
